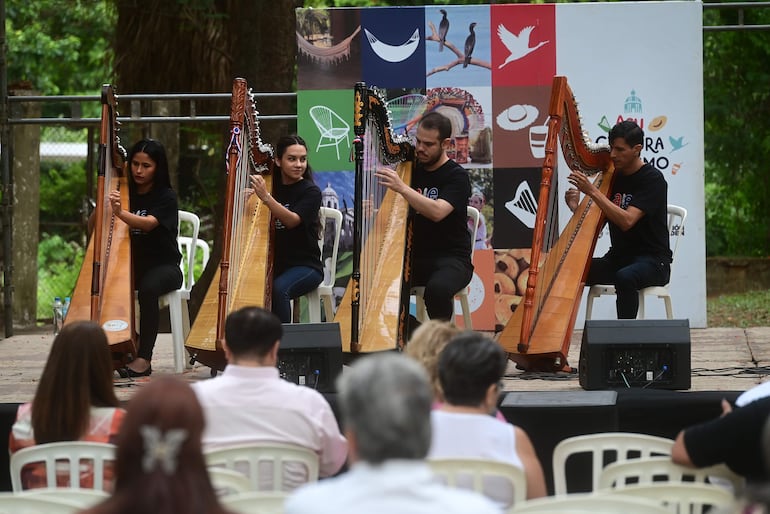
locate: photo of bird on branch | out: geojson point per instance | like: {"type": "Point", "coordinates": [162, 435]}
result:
{"type": "Point", "coordinates": [464, 55]}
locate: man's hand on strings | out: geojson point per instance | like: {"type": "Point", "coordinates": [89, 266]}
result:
{"type": "Point", "coordinates": [572, 197]}
{"type": "Point", "coordinates": [389, 178]}
{"type": "Point", "coordinates": [115, 202]}
{"type": "Point", "coordinates": [259, 187]}
{"type": "Point", "coordinates": [580, 181]}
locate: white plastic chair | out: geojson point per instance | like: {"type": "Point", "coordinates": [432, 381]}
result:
{"type": "Point", "coordinates": [680, 498]}
{"type": "Point", "coordinates": [502, 482]}
{"type": "Point", "coordinates": [649, 470]}
{"type": "Point", "coordinates": [184, 243]}
{"type": "Point", "coordinates": [269, 466]}
{"type": "Point", "coordinates": [331, 126]}
{"type": "Point", "coordinates": [676, 218]}
{"type": "Point", "coordinates": [255, 502]}
{"type": "Point", "coordinates": [591, 503]}
{"type": "Point", "coordinates": [179, 313]}
{"type": "Point", "coordinates": [228, 481]}
{"type": "Point", "coordinates": [462, 294]}
{"type": "Point", "coordinates": [64, 457]}
{"type": "Point", "coordinates": [604, 448]}
{"type": "Point", "coordinates": [12, 503]}
{"type": "Point", "coordinates": [84, 498]}
{"type": "Point", "coordinates": [325, 292]}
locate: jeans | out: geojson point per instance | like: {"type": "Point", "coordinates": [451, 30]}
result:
{"type": "Point", "coordinates": [293, 283]}
{"type": "Point", "coordinates": [442, 277]}
{"type": "Point", "coordinates": [628, 275]}
{"type": "Point", "coordinates": [152, 285]}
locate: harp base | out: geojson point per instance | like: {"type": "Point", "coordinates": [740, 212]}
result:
{"type": "Point", "coordinates": [545, 362]}
{"type": "Point", "coordinates": [213, 359]}
{"type": "Point", "coordinates": [122, 353]}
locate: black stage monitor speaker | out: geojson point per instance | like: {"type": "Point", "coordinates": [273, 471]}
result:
{"type": "Point", "coordinates": [311, 354]}
{"type": "Point", "coordinates": [635, 353]}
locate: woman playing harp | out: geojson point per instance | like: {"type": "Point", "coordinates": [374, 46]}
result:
{"type": "Point", "coordinates": [295, 207]}
{"type": "Point", "coordinates": [104, 292]}
{"type": "Point", "coordinates": [153, 218]}
{"type": "Point", "coordinates": [245, 272]}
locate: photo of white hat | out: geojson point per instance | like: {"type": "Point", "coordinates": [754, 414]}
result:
{"type": "Point", "coordinates": [517, 117]}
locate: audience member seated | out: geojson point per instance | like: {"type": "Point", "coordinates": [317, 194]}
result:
{"type": "Point", "coordinates": [160, 466]}
{"type": "Point", "coordinates": [470, 370]}
{"type": "Point", "coordinates": [385, 401]}
{"type": "Point", "coordinates": [249, 402]}
{"type": "Point", "coordinates": [74, 401]}
{"type": "Point", "coordinates": [426, 344]}
{"type": "Point", "coordinates": [734, 438]}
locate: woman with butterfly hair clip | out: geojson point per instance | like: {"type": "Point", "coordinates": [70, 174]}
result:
{"type": "Point", "coordinates": [160, 467]}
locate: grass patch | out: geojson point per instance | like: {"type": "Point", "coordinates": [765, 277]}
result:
{"type": "Point", "coordinates": [751, 309]}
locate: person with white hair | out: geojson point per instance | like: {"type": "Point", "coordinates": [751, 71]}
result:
{"type": "Point", "coordinates": [385, 402]}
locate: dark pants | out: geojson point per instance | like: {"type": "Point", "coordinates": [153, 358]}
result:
{"type": "Point", "coordinates": [293, 283]}
{"type": "Point", "coordinates": [154, 283]}
{"type": "Point", "coordinates": [628, 275]}
{"type": "Point", "coordinates": [442, 278]}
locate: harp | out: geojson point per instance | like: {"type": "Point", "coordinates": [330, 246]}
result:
{"type": "Point", "coordinates": [104, 291]}
{"type": "Point", "coordinates": [245, 272]}
{"type": "Point", "coordinates": [374, 310]}
{"type": "Point", "coordinates": [538, 334]}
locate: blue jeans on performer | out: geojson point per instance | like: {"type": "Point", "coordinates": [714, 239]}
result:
{"type": "Point", "coordinates": [628, 275]}
{"type": "Point", "coordinates": [293, 283]}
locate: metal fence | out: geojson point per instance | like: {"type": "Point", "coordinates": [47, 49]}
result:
{"type": "Point", "coordinates": [68, 146]}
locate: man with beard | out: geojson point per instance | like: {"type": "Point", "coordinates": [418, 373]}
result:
{"type": "Point", "coordinates": [636, 211]}
{"type": "Point", "coordinates": [438, 195]}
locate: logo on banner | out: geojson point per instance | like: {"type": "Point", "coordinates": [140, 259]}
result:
{"type": "Point", "coordinates": [659, 147]}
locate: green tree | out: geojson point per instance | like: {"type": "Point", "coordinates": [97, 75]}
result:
{"type": "Point", "coordinates": [737, 134]}
{"type": "Point", "coordinates": [59, 47]}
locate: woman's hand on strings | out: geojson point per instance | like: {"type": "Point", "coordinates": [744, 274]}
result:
{"type": "Point", "coordinates": [259, 187]}
{"type": "Point", "coordinates": [115, 202]}
{"type": "Point", "coordinates": [389, 178]}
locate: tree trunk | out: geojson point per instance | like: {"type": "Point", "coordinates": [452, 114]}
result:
{"type": "Point", "coordinates": [26, 214]}
{"type": "Point", "coordinates": [170, 46]}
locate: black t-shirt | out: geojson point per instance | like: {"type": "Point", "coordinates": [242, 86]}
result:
{"type": "Point", "coordinates": [646, 190]}
{"type": "Point", "coordinates": [734, 439]}
{"type": "Point", "coordinates": [298, 246]}
{"type": "Point", "coordinates": [158, 246]}
{"type": "Point", "coordinates": [450, 236]}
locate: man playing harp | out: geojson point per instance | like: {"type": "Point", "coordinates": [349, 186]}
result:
{"type": "Point", "coordinates": [639, 255]}
{"type": "Point", "coordinates": [439, 195]}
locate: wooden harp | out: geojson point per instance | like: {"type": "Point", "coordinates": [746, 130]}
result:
{"type": "Point", "coordinates": [245, 274]}
{"type": "Point", "coordinates": [538, 334]}
{"type": "Point", "coordinates": [104, 291]}
{"type": "Point", "coordinates": [373, 313]}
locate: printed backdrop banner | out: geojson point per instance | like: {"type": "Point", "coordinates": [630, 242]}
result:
{"type": "Point", "coordinates": [489, 70]}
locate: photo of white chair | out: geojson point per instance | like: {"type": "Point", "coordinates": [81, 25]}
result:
{"type": "Point", "coordinates": [332, 127]}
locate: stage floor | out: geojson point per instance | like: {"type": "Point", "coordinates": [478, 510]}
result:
{"type": "Point", "coordinates": [722, 359]}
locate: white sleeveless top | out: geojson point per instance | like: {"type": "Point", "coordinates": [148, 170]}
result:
{"type": "Point", "coordinates": [461, 435]}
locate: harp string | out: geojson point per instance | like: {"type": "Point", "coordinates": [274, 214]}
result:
{"type": "Point", "coordinates": [237, 240]}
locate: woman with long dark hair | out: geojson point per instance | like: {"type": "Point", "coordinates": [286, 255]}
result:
{"type": "Point", "coordinates": [294, 204]}
{"type": "Point", "coordinates": [159, 467]}
{"type": "Point", "coordinates": [74, 401]}
{"type": "Point", "coordinates": [154, 221]}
